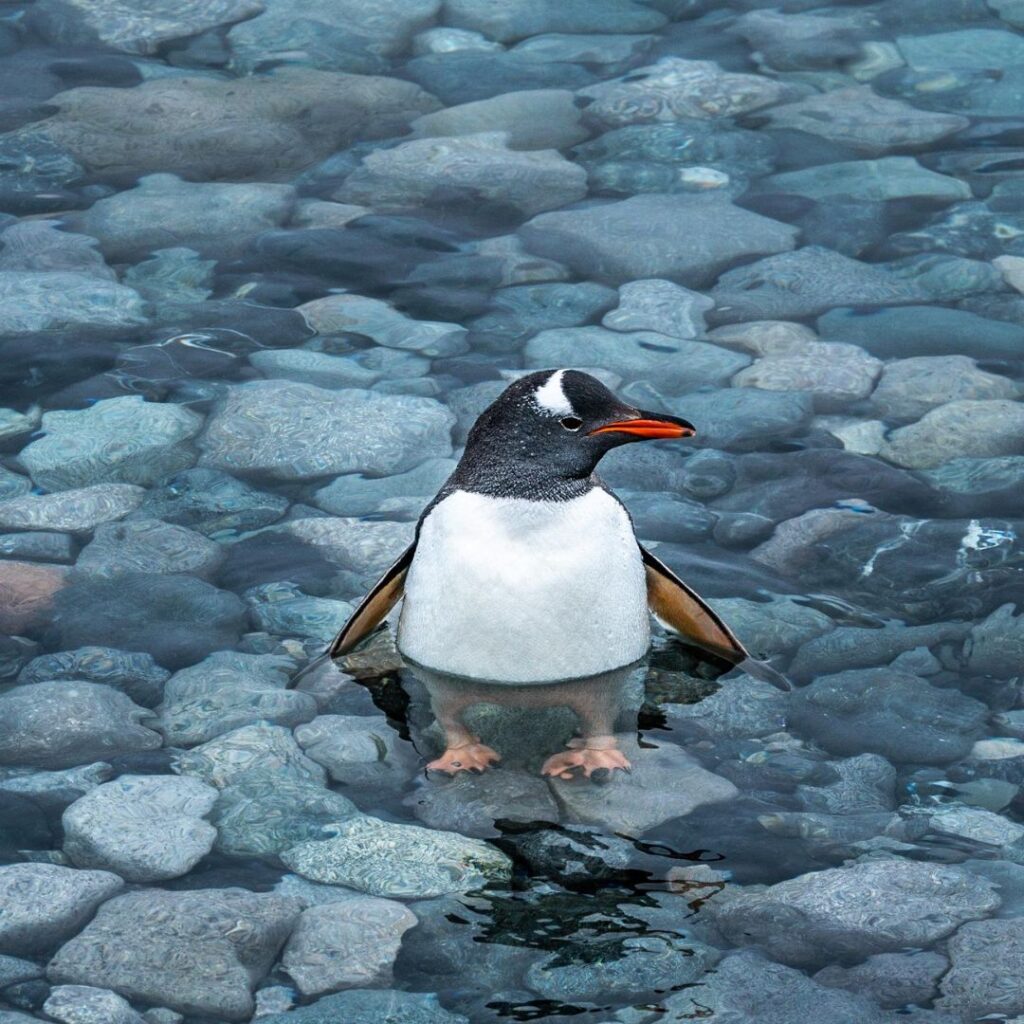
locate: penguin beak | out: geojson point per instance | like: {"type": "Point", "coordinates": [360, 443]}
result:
{"type": "Point", "coordinates": [648, 426]}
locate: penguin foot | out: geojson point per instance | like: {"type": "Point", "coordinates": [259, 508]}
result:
{"type": "Point", "coordinates": [563, 765]}
{"type": "Point", "coordinates": [467, 758]}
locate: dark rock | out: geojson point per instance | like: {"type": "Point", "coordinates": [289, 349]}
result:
{"type": "Point", "coordinates": [134, 674]}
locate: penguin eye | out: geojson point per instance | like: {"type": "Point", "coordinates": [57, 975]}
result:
{"type": "Point", "coordinates": [571, 422]}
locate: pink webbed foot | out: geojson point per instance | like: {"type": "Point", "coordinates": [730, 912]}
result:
{"type": "Point", "coordinates": [467, 758]}
{"type": "Point", "coordinates": [600, 753]}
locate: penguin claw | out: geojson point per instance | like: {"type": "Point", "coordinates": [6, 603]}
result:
{"type": "Point", "coordinates": [473, 757]}
{"type": "Point", "coordinates": [563, 764]}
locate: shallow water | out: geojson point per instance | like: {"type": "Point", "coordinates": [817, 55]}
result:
{"type": "Point", "coordinates": [259, 273]}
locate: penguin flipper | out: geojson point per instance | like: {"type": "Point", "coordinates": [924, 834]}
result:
{"type": "Point", "coordinates": [373, 609]}
{"type": "Point", "coordinates": [685, 612]}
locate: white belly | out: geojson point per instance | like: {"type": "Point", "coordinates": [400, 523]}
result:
{"type": "Point", "coordinates": [525, 591]}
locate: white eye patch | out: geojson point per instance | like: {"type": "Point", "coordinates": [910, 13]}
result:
{"type": "Point", "coordinates": [550, 397]}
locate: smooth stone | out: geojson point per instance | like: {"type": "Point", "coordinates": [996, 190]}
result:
{"type": "Point", "coordinates": [359, 751]}
{"type": "Point", "coordinates": [478, 169]}
{"type": "Point", "coordinates": [117, 440]}
{"type": "Point", "coordinates": [895, 714]}
{"type": "Point", "coordinates": [892, 177]}
{"type": "Point", "coordinates": [57, 300]}
{"type": "Point", "coordinates": [201, 953]}
{"type": "Point", "coordinates": [768, 628]}
{"type": "Point", "coordinates": [377, 320]}
{"type": "Point", "coordinates": [452, 40]}
{"type": "Point", "coordinates": [370, 1006]}
{"type": "Point", "coordinates": [741, 418]}
{"type": "Point", "coordinates": [961, 429]}
{"type": "Point", "coordinates": [614, 51]}
{"type": "Point", "coordinates": [77, 511]}
{"type": "Point", "coordinates": [509, 20]}
{"type": "Point", "coordinates": [982, 979]}
{"type": "Point", "coordinates": [674, 88]}
{"type": "Point", "coordinates": [996, 645]}
{"type": "Point", "coordinates": [664, 516]}
{"type": "Point", "coordinates": [801, 284]}
{"type": "Point", "coordinates": [910, 388]}
{"type": "Point", "coordinates": [791, 42]}
{"type": "Point", "coordinates": [861, 437]}
{"type": "Point", "coordinates": [179, 620]}
{"type": "Point", "coordinates": [859, 118]}
{"type": "Point", "coordinates": [361, 369]}
{"type": "Point", "coordinates": [14, 970]}
{"type": "Point", "coordinates": [1012, 269]}
{"type": "Point", "coordinates": [676, 365]}
{"type": "Point", "coordinates": [686, 238]}
{"type": "Point", "coordinates": [56, 791]}
{"type": "Point", "coordinates": [979, 486]}
{"type": "Point", "coordinates": [890, 979]}
{"type": "Point", "coordinates": [172, 278]}
{"type": "Point", "coordinates": [263, 814]}
{"type": "Point", "coordinates": [922, 331]}
{"type": "Point", "coordinates": [12, 485]}
{"type": "Point", "coordinates": [284, 610]}
{"type": "Point", "coordinates": [45, 904]}
{"type": "Point", "coordinates": [743, 707]}
{"type": "Point", "coordinates": [293, 431]}
{"type": "Point", "coordinates": [162, 211]}
{"type": "Point", "coordinates": [252, 751]}
{"type": "Point", "coordinates": [531, 119]}
{"type": "Point", "coordinates": [39, 246]}
{"type": "Point", "coordinates": [226, 691]}
{"type": "Point", "coordinates": [38, 547]}
{"type": "Point", "coordinates": [659, 306]}
{"type": "Point", "coordinates": [145, 828]}
{"type": "Point", "coordinates": [207, 128]}
{"type": "Point", "coordinates": [350, 945]}
{"type": "Point", "coordinates": [665, 783]}
{"type": "Point", "coordinates": [855, 911]}
{"type": "Point", "coordinates": [977, 48]}
{"type": "Point", "coordinates": [135, 28]}
{"type": "Point", "coordinates": [405, 861]}
{"type": "Point", "coordinates": [15, 426]}
{"type": "Point", "coordinates": [318, 213]}
{"type": "Point", "coordinates": [36, 729]}
{"type": "Point", "coordinates": [83, 1004]}
{"type": "Point", "coordinates": [134, 674]}
{"type": "Point", "coordinates": [149, 546]}
{"type": "Point", "coordinates": [354, 494]}
{"type": "Point", "coordinates": [364, 547]}
{"type": "Point", "coordinates": [984, 833]}
{"type": "Point", "coordinates": [765, 337]}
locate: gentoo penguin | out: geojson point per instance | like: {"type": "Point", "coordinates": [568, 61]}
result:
{"type": "Point", "coordinates": [525, 567]}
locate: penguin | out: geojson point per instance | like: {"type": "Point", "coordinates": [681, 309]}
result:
{"type": "Point", "coordinates": [525, 567]}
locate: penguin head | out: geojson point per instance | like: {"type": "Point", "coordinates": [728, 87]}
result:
{"type": "Point", "coordinates": [557, 424]}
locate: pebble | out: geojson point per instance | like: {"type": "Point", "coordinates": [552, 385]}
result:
{"type": "Point", "coordinates": [149, 546]}
{"type": "Point", "coordinates": [659, 306]}
{"type": "Point", "coordinates": [403, 861]}
{"type": "Point", "coordinates": [200, 953]}
{"type": "Point", "coordinates": [771, 627]}
{"type": "Point", "coordinates": [12, 485]}
{"type": "Point", "coordinates": [39, 246]}
{"type": "Point", "coordinates": [743, 707]}
{"type": "Point", "coordinates": [79, 510]}
{"type": "Point", "coordinates": [451, 40]}
{"type": "Point", "coordinates": [351, 945]}
{"type": "Point", "coordinates": [362, 369]}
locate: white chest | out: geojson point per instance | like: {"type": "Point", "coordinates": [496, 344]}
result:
{"type": "Point", "coordinates": [520, 590]}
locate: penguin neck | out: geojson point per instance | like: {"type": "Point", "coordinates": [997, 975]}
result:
{"type": "Point", "coordinates": [498, 476]}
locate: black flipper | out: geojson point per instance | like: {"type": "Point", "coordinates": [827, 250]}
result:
{"type": "Point", "coordinates": [373, 609]}
{"type": "Point", "coordinates": [685, 612]}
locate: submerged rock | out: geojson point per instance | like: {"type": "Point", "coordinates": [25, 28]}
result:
{"type": "Point", "coordinates": [910, 388]}
{"type": "Point", "coordinates": [134, 674]}
{"type": "Point", "coordinates": [358, 751]}
{"type": "Point", "coordinates": [660, 306]}
{"type": "Point", "coordinates": [78, 510]}
{"type": "Point", "coordinates": [891, 979]}
{"type": "Point", "coordinates": [981, 981]}
{"type": "Point", "coordinates": [56, 300]}
{"type": "Point", "coordinates": [370, 1006]}
{"type": "Point", "coordinates": [149, 546]}
{"type": "Point", "coordinates": [83, 1004]}
{"type": "Point", "coordinates": [517, 19]}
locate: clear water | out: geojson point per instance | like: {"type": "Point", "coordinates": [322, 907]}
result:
{"type": "Point", "coordinates": [206, 460]}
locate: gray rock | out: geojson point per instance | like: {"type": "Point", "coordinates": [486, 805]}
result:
{"type": "Point", "coordinates": [686, 238]}
{"type": "Point", "coordinates": [55, 300]}
{"type": "Point", "coordinates": [38, 546]}
{"type": "Point", "coordinates": [743, 417]}
{"type": "Point", "coordinates": [773, 627]}
{"type": "Point", "coordinates": [664, 783]}
{"type": "Point", "coordinates": [910, 388]}
{"type": "Point", "coordinates": [364, 547]}
{"type": "Point", "coordinates": [962, 429]}
{"type": "Point", "coordinates": [117, 440]}
{"type": "Point", "coordinates": [983, 978]}
{"type": "Point", "coordinates": [370, 1006]}
{"type": "Point", "coordinates": [673, 89]}
{"type": "Point", "coordinates": [357, 495]}
{"type": "Point", "coordinates": [793, 41]}
{"type": "Point", "coordinates": [12, 486]}
{"type": "Point", "coordinates": [664, 516]}
{"type": "Point", "coordinates": [78, 511]}
{"type": "Point", "coordinates": [891, 979]}
{"type": "Point", "coordinates": [55, 791]}
{"type": "Point", "coordinates": [358, 751]}
{"type": "Point", "coordinates": [864, 908]}
{"type": "Point", "coordinates": [976, 48]}
{"type": "Point", "coordinates": [284, 610]}
{"type": "Point", "coordinates": [961, 829]}
{"type": "Point", "coordinates": [382, 859]}
{"type": "Point", "coordinates": [37, 730]}
{"type": "Point", "coordinates": [162, 211]}
{"type": "Point", "coordinates": [362, 369]}
{"type": "Point", "coordinates": [892, 177]}
{"type": "Point", "coordinates": [659, 306]}
{"type": "Point", "coordinates": [900, 716]}
{"type": "Point", "coordinates": [479, 169]}
{"type": "Point", "coordinates": [517, 19]}
{"type": "Point", "coordinates": [250, 751]}
{"type": "Point", "coordinates": [531, 119]}
{"type": "Point", "coordinates": [675, 365]}
{"type": "Point", "coordinates": [201, 953]}
{"type": "Point", "coordinates": [39, 246]}
{"type": "Point", "coordinates": [350, 945]}
{"type": "Point", "coordinates": [44, 904]}
{"type": "Point", "coordinates": [863, 784]}
{"type": "Point", "coordinates": [859, 118]}
{"type": "Point", "coordinates": [82, 1004]}
{"type": "Point", "coordinates": [136, 28]}
{"type": "Point", "coordinates": [299, 432]}
{"type": "Point", "coordinates": [13, 971]}
{"type": "Point", "coordinates": [996, 646]}
{"type": "Point", "coordinates": [743, 707]}
{"type": "Point", "coordinates": [145, 828]}
{"type": "Point", "coordinates": [451, 40]}
{"type": "Point", "coordinates": [149, 546]}
{"type": "Point", "coordinates": [172, 278]}
{"type": "Point", "coordinates": [226, 691]}
{"type": "Point", "coordinates": [263, 814]}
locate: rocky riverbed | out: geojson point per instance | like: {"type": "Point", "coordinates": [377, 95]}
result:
{"type": "Point", "coordinates": [262, 263]}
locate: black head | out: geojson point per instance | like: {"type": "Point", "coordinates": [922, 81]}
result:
{"type": "Point", "coordinates": [545, 434]}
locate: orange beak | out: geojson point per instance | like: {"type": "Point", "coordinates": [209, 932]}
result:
{"type": "Point", "coordinates": [648, 427]}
